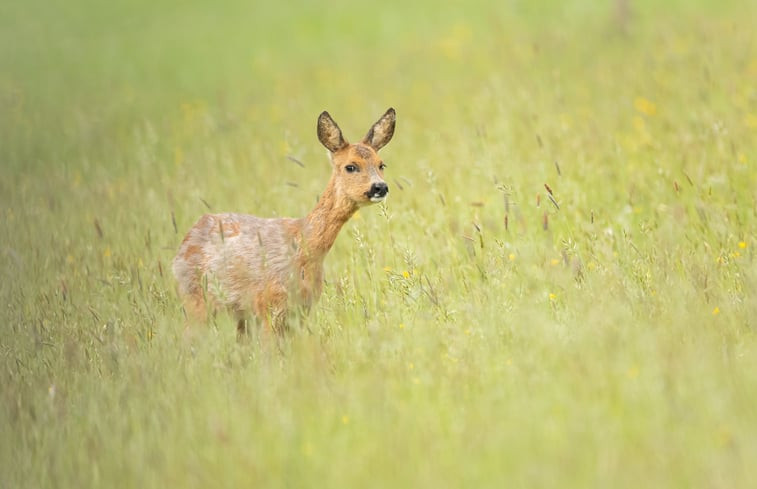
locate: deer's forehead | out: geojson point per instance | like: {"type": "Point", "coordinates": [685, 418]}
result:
{"type": "Point", "coordinates": [363, 152]}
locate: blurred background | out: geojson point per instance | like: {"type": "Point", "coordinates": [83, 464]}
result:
{"type": "Point", "coordinates": [563, 274]}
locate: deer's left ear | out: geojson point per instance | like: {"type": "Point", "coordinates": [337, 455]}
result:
{"type": "Point", "coordinates": [382, 131]}
{"type": "Point", "coordinates": [329, 133]}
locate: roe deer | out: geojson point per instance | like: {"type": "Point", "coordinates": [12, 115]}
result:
{"type": "Point", "coordinates": [265, 266]}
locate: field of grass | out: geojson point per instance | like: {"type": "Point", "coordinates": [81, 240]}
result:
{"type": "Point", "coordinates": [561, 290]}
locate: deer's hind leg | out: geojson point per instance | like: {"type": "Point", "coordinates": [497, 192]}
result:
{"type": "Point", "coordinates": [196, 313]}
{"type": "Point", "coordinates": [242, 329]}
{"type": "Point", "coordinates": [245, 323]}
{"type": "Point", "coordinates": [195, 308]}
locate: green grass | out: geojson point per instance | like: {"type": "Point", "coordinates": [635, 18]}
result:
{"type": "Point", "coordinates": [609, 343]}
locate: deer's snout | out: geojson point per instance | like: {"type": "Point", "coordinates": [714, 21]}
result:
{"type": "Point", "coordinates": [378, 191]}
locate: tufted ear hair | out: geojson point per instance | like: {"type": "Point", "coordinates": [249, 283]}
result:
{"type": "Point", "coordinates": [382, 131]}
{"type": "Point", "coordinates": [329, 133]}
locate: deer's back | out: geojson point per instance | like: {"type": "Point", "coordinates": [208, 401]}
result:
{"type": "Point", "coordinates": [235, 256]}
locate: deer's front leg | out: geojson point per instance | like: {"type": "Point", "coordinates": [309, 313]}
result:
{"type": "Point", "coordinates": [271, 308]}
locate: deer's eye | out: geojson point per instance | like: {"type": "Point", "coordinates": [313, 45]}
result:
{"type": "Point", "coordinates": [351, 168]}
{"type": "Point", "coordinates": [382, 166]}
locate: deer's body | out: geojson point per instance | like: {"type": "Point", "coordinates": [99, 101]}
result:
{"type": "Point", "coordinates": [265, 267]}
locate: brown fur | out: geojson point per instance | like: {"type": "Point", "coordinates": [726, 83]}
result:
{"type": "Point", "coordinates": [268, 267]}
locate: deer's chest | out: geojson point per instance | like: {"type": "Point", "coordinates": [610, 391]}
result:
{"type": "Point", "coordinates": [310, 282]}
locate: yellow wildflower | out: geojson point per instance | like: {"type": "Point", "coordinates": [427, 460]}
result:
{"type": "Point", "coordinates": [645, 106]}
{"type": "Point", "coordinates": [751, 121]}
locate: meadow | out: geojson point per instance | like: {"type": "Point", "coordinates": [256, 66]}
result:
{"type": "Point", "coordinates": [560, 290]}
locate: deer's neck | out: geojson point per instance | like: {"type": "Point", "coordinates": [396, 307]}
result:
{"type": "Point", "coordinates": [321, 227]}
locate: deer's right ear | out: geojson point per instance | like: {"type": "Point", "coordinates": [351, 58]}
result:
{"type": "Point", "coordinates": [382, 131]}
{"type": "Point", "coordinates": [329, 133]}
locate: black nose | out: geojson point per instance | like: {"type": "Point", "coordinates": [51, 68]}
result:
{"type": "Point", "coordinates": [379, 189]}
